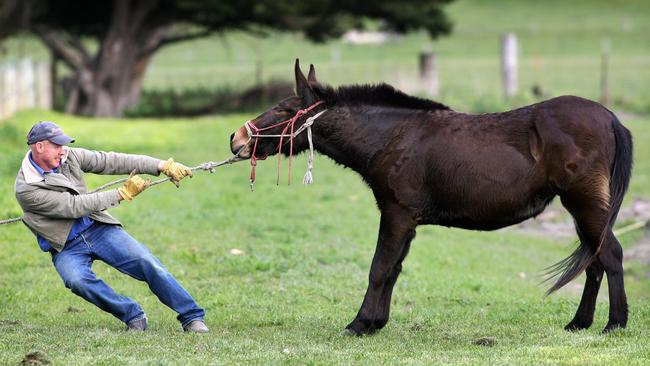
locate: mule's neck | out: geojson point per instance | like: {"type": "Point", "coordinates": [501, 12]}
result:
{"type": "Point", "coordinates": [353, 136]}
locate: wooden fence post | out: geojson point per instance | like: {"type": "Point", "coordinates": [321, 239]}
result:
{"type": "Point", "coordinates": [3, 94]}
{"type": "Point", "coordinates": [24, 85]}
{"type": "Point", "coordinates": [26, 93]}
{"type": "Point", "coordinates": [604, 65]}
{"type": "Point", "coordinates": [429, 73]}
{"type": "Point", "coordinates": [509, 64]}
{"type": "Point", "coordinates": [335, 55]}
{"type": "Point", "coordinates": [10, 90]}
{"type": "Point", "coordinates": [43, 87]}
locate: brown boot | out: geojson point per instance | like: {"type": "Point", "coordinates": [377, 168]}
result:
{"type": "Point", "coordinates": [196, 326]}
{"type": "Point", "coordinates": [137, 324]}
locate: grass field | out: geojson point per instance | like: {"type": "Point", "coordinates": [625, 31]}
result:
{"type": "Point", "coordinates": [304, 271]}
{"type": "Point", "coordinates": [307, 250]}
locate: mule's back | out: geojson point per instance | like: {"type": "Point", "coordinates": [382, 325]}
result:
{"type": "Point", "coordinates": [493, 170]}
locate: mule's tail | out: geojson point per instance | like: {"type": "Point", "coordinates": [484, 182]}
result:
{"type": "Point", "coordinates": [620, 173]}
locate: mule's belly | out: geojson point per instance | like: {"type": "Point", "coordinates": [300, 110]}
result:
{"type": "Point", "coordinates": [491, 216]}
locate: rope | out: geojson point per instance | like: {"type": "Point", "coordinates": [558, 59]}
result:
{"type": "Point", "coordinates": [309, 178]}
{"type": "Point", "coordinates": [9, 221]}
{"type": "Point", "coordinates": [209, 166]}
{"type": "Point", "coordinates": [253, 132]}
{"type": "Point", "coordinates": [631, 227]}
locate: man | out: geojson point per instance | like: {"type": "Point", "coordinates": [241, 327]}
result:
{"type": "Point", "coordinates": [75, 228]}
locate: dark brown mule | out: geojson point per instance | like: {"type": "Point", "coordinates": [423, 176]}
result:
{"type": "Point", "coordinates": [427, 164]}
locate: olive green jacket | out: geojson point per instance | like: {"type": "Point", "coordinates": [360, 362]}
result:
{"type": "Point", "coordinates": [52, 202]}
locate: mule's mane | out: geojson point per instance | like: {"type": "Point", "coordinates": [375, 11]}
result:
{"type": "Point", "coordinates": [377, 94]}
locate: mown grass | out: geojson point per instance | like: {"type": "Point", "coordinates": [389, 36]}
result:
{"type": "Point", "coordinates": [308, 249]}
{"type": "Point", "coordinates": [304, 271]}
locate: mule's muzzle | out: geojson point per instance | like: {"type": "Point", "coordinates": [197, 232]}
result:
{"type": "Point", "coordinates": [239, 143]}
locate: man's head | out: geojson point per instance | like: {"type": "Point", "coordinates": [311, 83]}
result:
{"type": "Point", "coordinates": [46, 141]}
{"type": "Point", "coordinates": [46, 130]}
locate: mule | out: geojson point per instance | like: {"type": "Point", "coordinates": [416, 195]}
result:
{"type": "Point", "coordinates": [428, 164]}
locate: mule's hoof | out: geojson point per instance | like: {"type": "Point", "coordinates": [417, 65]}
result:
{"type": "Point", "coordinates": [575, 326]}
{"type": "Point", "coordinates": [613, 327]}
{"type": "Point", "coordinates": [349, 333]}
{"type": "Point", "coordinates": [359, 328]}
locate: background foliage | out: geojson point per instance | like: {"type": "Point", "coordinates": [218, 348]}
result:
{"type": "Point", "coordinates": [559, 42]}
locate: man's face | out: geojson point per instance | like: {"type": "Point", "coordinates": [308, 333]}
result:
{"type": "Point", "coordinates": [47, 154]}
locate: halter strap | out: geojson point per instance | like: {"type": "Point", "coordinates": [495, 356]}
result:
{"type": "Point", "coordinates": [287, 131]}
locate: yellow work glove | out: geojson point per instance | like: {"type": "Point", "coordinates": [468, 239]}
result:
{"type": "Point", "coordinates": [176, 171]}
{"type": "Point", "coordinates": [133, 186]}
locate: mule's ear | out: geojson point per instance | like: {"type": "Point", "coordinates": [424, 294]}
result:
{"type": "Point", "coordinates": [311, 77]}
{"type": "Point", "coordinates": [303, 89]}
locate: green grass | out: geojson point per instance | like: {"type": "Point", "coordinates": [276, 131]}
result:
{"type": "Point", "coordinates": [308, 249]}
{"type": "Point", "coordinates": [304, 271]}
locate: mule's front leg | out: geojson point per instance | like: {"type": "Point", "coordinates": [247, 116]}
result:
{"type": "Point", "coordinates": [396, 230]}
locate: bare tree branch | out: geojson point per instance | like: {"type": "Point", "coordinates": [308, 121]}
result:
{"type": "Point", "coordinates": [174, 39]}
{"type": "Point", "coordinates": [76, 43]}
{"type": "Point", "coordinates": [71, 56]}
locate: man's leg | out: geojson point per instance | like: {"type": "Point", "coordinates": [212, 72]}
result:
{"type": "Point", "coordinates": [117, 248]}
{"type": "Point", "coordinates": [74, 266]}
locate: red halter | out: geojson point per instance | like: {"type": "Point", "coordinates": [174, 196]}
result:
{"type": "Point", "coordinates": [250, 127]}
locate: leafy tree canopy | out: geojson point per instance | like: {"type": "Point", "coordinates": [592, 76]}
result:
{"type": "Point", "coordinates": [129, 32]}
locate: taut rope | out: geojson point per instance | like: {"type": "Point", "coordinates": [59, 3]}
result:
{"type": "Point", "coordinates": [209, 166]}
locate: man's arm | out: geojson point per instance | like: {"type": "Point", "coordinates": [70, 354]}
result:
{"type": "Point", "coordinates": [111, 163]}
{"type": "Point", "coordinates": [66, 205]}
{"type": "Point", "coordinates": [117, 163]}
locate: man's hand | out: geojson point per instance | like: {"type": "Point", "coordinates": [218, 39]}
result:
{"type": "Point", "coordinates": [133, 186]}
{"type": "Point", "coordinates": [175, 171]}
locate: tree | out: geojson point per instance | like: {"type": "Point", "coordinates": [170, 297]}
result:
{"type": "Point", "coordinates": [125, 34]}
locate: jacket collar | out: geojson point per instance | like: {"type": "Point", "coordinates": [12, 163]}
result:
{"type": "Point", "coordinates": [29, 171]}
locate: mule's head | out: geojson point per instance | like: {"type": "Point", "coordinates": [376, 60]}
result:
{"type": "Point", "coordinates": [272, 122]}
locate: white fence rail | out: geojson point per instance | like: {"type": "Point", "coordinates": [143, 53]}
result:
{"type": "Point", "coordinates": [23, 85]}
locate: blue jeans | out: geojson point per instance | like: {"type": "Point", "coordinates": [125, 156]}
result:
{"type": "Point", "coordinates": [114, 246]}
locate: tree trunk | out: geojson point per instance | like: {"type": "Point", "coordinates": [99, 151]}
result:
{"type": "Point", "coordinates": [110, 82]}
{"type": "Point", "coordinates": [108, 88]}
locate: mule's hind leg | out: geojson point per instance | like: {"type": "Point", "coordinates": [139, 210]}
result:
{"type": "Point", "coordinates": [611, 256]}
{"type": "Point", "coordinates": [585, 314]}
{"type": "Point", "coordinates": [591, 220]}
{"type": "Point", "coordinates": [396, 230]}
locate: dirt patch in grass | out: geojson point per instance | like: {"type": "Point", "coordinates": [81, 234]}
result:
{"type": "Point", "coordinates": [555, 222]}
{"type": "Point", "coordinates": [36, 358]}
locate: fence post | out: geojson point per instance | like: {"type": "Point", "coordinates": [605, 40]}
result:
{"type": "Point", "coordinates": [3, 95]}
{"type": "Point", "coordinates": [54, 78]}
{"type": "Point", "coordinates": [509, 64]}
{"type": "Point", "coordinates": [29, 83]}
{"type": "Point", "coordinates": [604, 65]}
{"type": "Point", "coordinates": [43, 88]}
{"type": "Point", "coordinates": [24, 84]}
{"type": "Point", "coordinates": [429, 73]}
{"type": "Point", "coordinates": [10, 89]}
{"type": "Point", "coordinates": [335, 55]}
